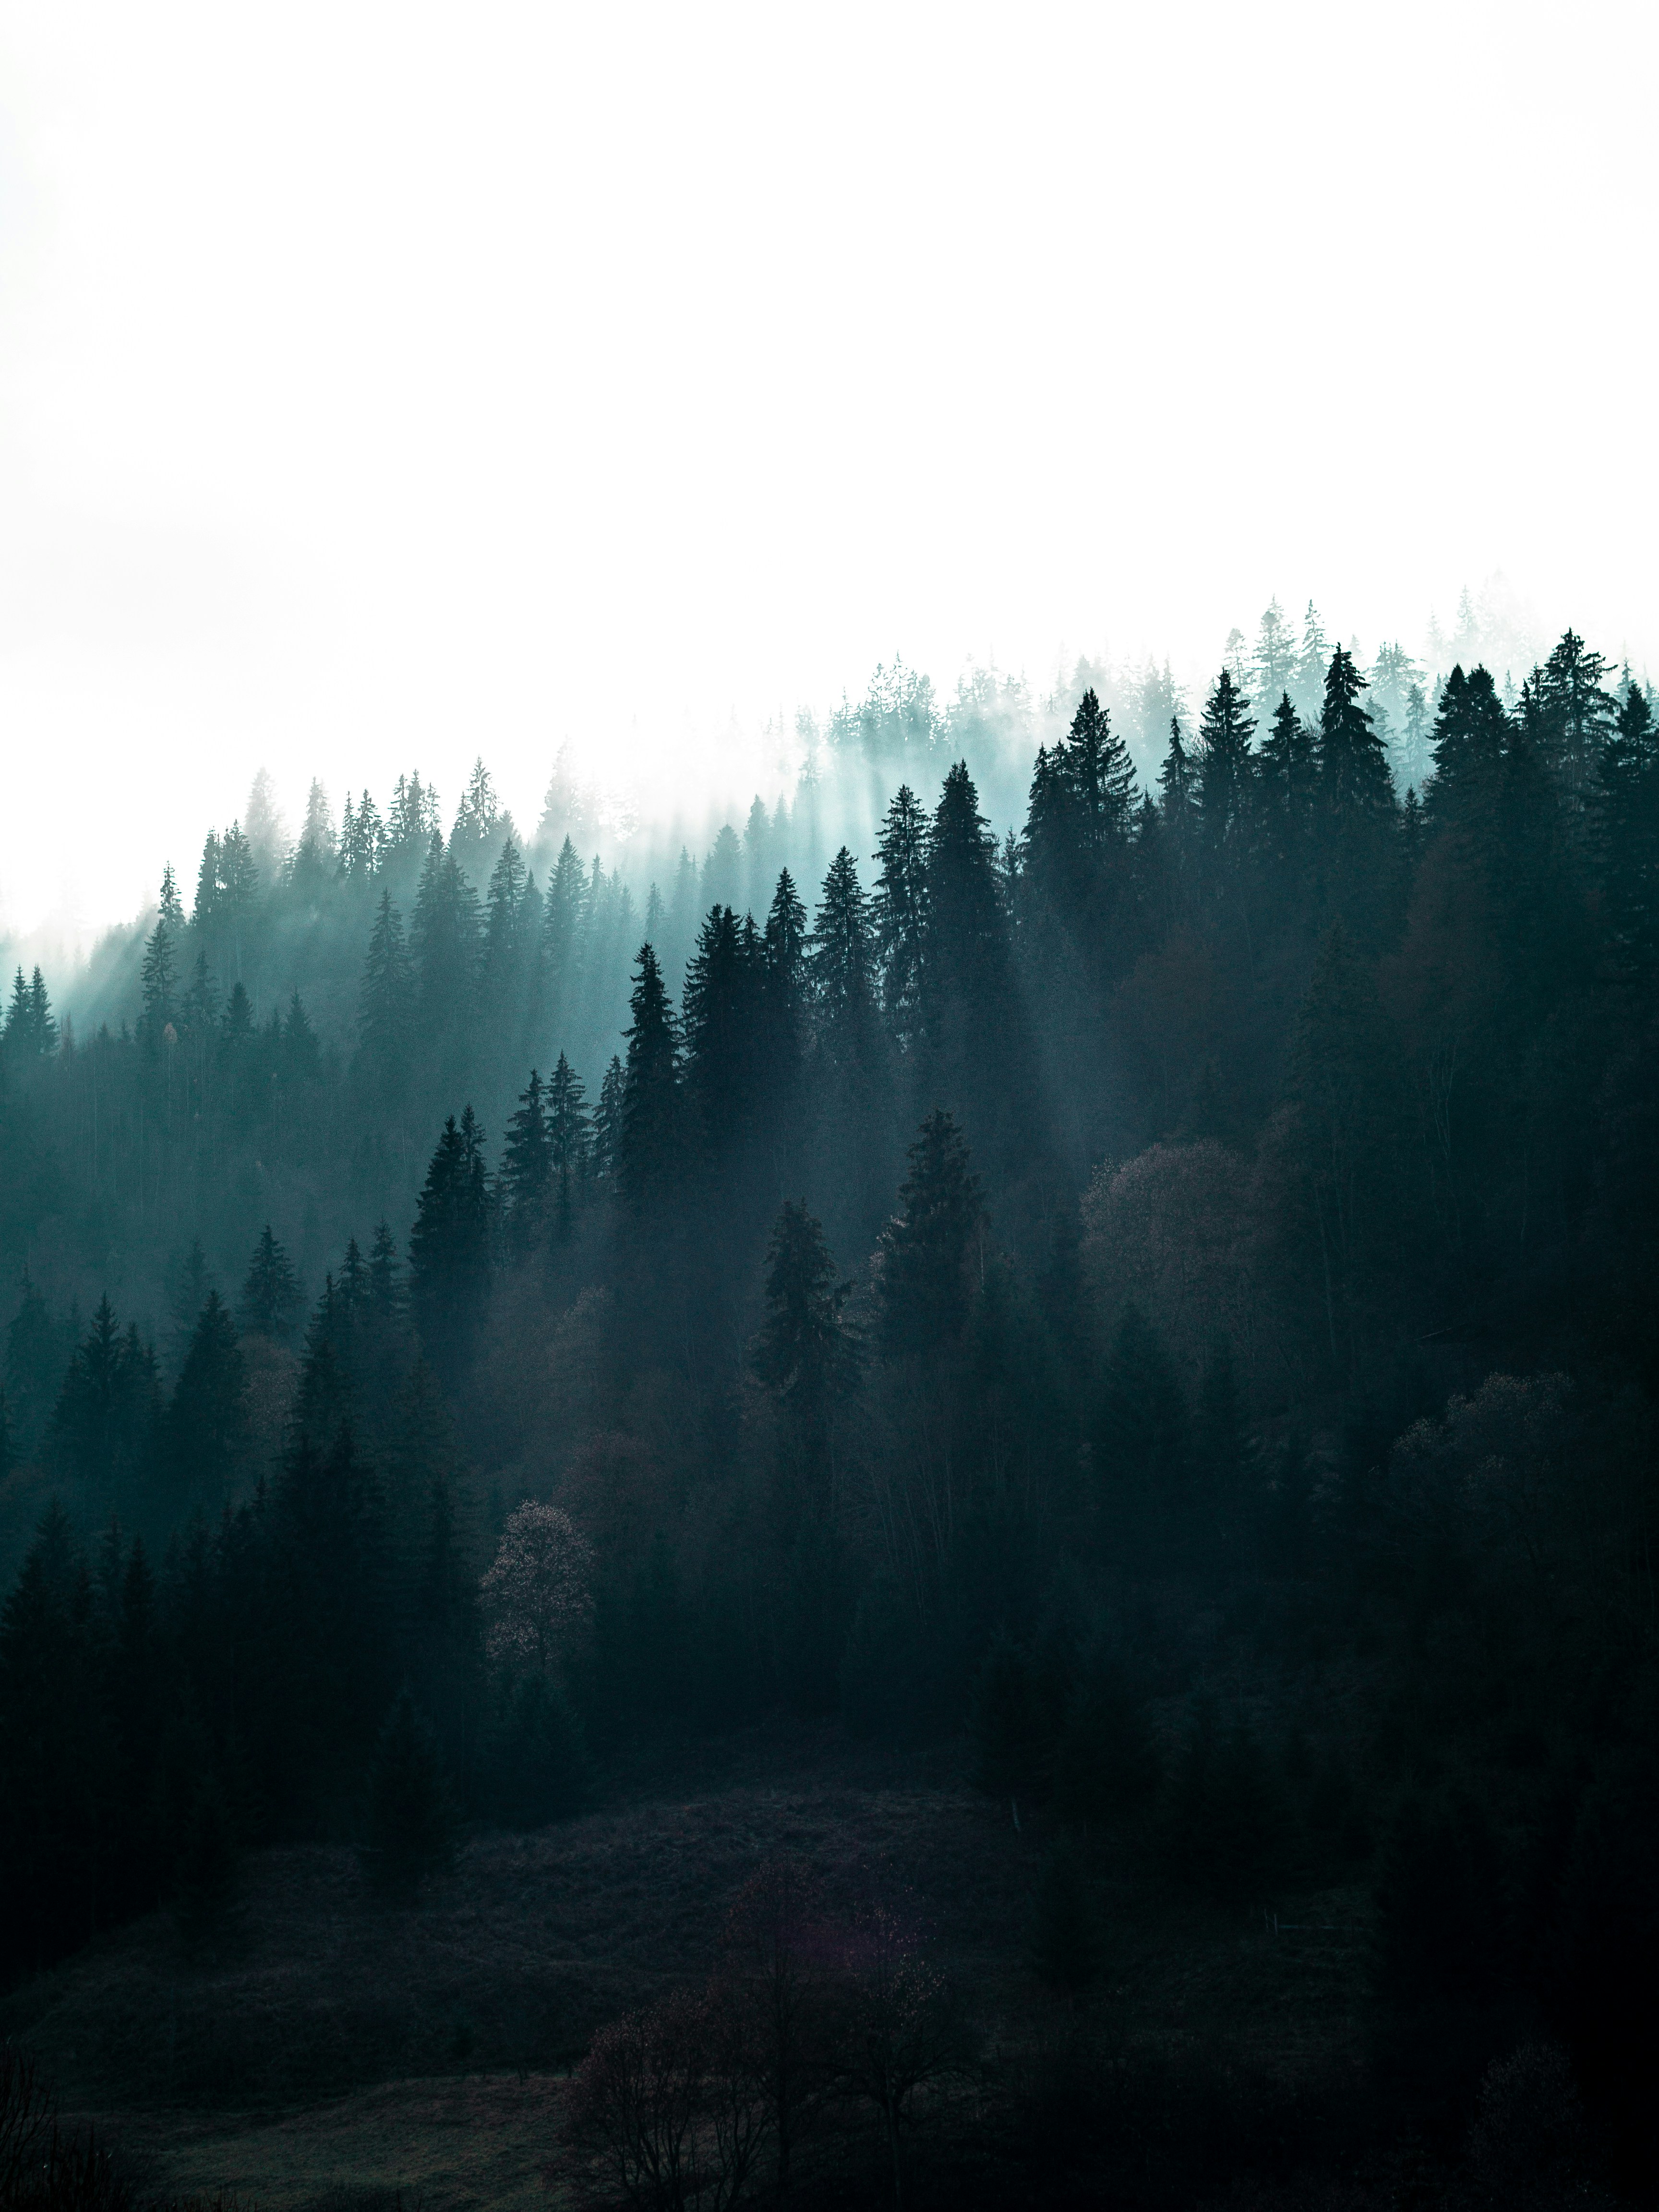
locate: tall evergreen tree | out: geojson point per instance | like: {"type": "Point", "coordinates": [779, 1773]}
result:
{"type": "Point", "coordinates": [449, 1249]}
{"type": "Point", "coordinates": [927, 1251]}
{"type": "Point", "coordinates": [1226, 768]}
{"type": "Point", "coordinates": [208, 1427]}
{"type": "Point", "coordinates": [901, 909]}
{"type": "Point", "coordinates": [646, 1141]}
{"type": "Point", "coordinates": [527, 1168]}
{"type": "Point", "coordinates": [270, 1295]}
{"type": "Point", "coordinates": [386, 1005]}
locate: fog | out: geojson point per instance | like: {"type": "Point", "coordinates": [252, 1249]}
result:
{"type": "Point", "coordinates": [378, 391]}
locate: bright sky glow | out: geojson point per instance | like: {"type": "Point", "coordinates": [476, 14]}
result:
{"type": "Point", "coordinates": [383, 385]}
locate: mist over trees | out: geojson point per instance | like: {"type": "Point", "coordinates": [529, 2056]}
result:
{"type": "Point", "coordinates": [471, 1306]}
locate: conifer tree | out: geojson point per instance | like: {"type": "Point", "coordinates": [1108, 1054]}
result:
{"type": "Point", "coordinates": [608, 1122]}
{"type": "Point", "coordinates": [449, 1249]}
{"type": "Point", "coordinates": [1471, 739]}
{"type": "Point", "coordinates": [157, 976]}
{"type": "Point", "coordinates": [1226, 769]}
{"type": "Point", "coordinates": [208, 1429]}
{"type": "Point", "coordinates": [569, 1132]}
{"type": "Point", "coordinates": [1308, 689]}
{"type": "Point", "coordinates": [899, 909]}
{"type": "Point", "coordinates": [842, 955]}
{"type": "Point", "coordinates": [721, 1013]}
{"type": "Point", "coordinates": [1285, 782]}
{"type": "Point", "coordinates": [1275, 667]}
{"type": "Point", "coordinates": [929, 1250]}
{"type": "Point", "coordinates": [802, 1352]}
{"type": "Point", "coordinates": [503, 913]}
{"type": "Point", "coordinates": [527, 1167]}
{"type": "Point", "coordinates": [387, 1004]}
{"type": "Point", "coordinates": [270, 1295]}
{"type": "Point", "coordinates": [1627, 839]}
{"type": "Point", "coordinates": [646, 1138]}
{"type": "Point", "coordinates": [1139, 1435]}
{"type": "Point", "coordinates": [1574, 716]}
{"type": "Point", "coordinates": [1354, 782]}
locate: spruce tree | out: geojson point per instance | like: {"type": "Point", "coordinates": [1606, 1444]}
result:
{"type": "Point", "coordinates": [449, 1249]}
{"type": "Point", "coordinates": [528, 1171]}
{"type": "Point", "coordinates": [1471, 740]}
{"type": "Point", "coordinates": [646, 1138]}
{"type": "Point", "coordinates": [608, 1122]}
{"type": "Point", "coordinates": [271, 1295]}
{"type": "Point", "coordinates": [802, 1352]}
{"type": "Point", "coordinates": [722, 1011]}
{"type": "Point", "coordinates": [841, 955]}
{"type": "Point", "coordinates": [386, 1006]}
{"type": "Point", "coordinates": [1285, 784]}
{"type": "Point", "coordinates": [1354, 782]}
{"type": "Point", "coordinates": [1627, 820]}
{"type": "Point", "coordinates": [901, 909]}
{"type": "Point", "coordinates": [209, 1429]}
{"type": "Point", "coordinates": [569, 1133]}
{"type": "Point", "coordinates": [928, 1250]}
{"type": "Point", "coordinates": [1225, 769]}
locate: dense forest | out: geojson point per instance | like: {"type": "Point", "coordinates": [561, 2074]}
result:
{"type": "Point", "coordinates": [1165, 1293]}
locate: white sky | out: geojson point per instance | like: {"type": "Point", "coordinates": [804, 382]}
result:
{"type": "Point", "coordinates": [381, 385]}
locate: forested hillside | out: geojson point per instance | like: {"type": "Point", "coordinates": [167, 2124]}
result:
{"type": "Point", "coordinates": [1170, 1289]}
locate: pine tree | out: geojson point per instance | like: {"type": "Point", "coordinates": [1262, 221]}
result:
{"type": "Point", "coordinates": [449, 1249]}
{"type": "Point", "coordinates": [568, 1131]}
{"type": "Point", "coordinates": [802, 1352]}
{"type": "Point", "coordinates": [387, 1003]}
{"type": "Point", "coordinates": [965, 931]}
{"type": "Point", "coordinates": [208, 1429]}
{"type": "Point", "coordinates": [1286, 777]}
{"type": "Point", "coordinates": [1626, 812]}
{"type": "Point", "coordinates": [1354, 783]}
{"type": "Point", "coordinates": [1309, 688]}
{"type": "Point", "coordinates": [270, 1295]}
{"type": "Point", "coordinates": [901, 909]}
{"type": "Point", "coordinates": [1226, 768]}
{"type": "Point", "coordinates": [1574, 713]}
{"type": "Point", "coordinates": [479, 812]}
{"type": "Point", "coordinates": [721, 1013]}
{"type": "Point", "coordinates": [927, 1250]}
{"type": "Point", "coordinates": [842, 956]}
{"type": "Point", "coordinates": [646, 1142]}
{"type": "Point", "coordinates": [157, 979]}
{"type": "Point", "coordinates": [527, 1168]}
{"type": "Point", "coordinates": [1275, 667]}
{"type": "Point", "coordinates": [608, 1122]}
{"type": "Point", "coordinates": [1471, 740]}
{"type": "Point", "coordinates": [503, 914]}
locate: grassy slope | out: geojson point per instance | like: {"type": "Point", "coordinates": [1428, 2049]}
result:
{"type": "Point", "coordinates": [322, 2038]}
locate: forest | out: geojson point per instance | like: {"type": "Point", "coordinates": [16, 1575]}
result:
{"type": "Point", "coordinates": [1153, 1302]}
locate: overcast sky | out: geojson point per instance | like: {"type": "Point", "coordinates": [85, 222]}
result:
{"type": "Point", "coordinates": [382, 385]}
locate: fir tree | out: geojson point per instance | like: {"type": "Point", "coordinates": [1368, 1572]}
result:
{"type": "Point", "coordinates": [208, 1422]}
{"type": "Point", "coordinates": [270, 1295]}
{"type": "Point", "coordinates": [929, 1250]}
{"type": "Point", "coordinates": [568, 1132]}
{"type": "Point", "coordinates": [449, 1249]}
{"type": "Point", "coordinates": [1225, 767]}
{"type": "Point", "coordinates": [901, 909]}
{"type": "Point", "coordinates": [802, 1352]}
{"type": "Point", "coordinates": [608, 1122]}
{"type": "Point", "coordinates": [1626, 810]}
{"type": "Point", "coordinates": [387, 1004]}
{"type": "Point", "coordinates": [527, 1167]}
{"type": "Point", "coordinates": [1285, 782]}
{"type": "Point", "coordinates": [1354, 783]}
{"type": "Point", "coordinates": [646, 1140]}
{"type": "Point", "coordinates": [842, 955]}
